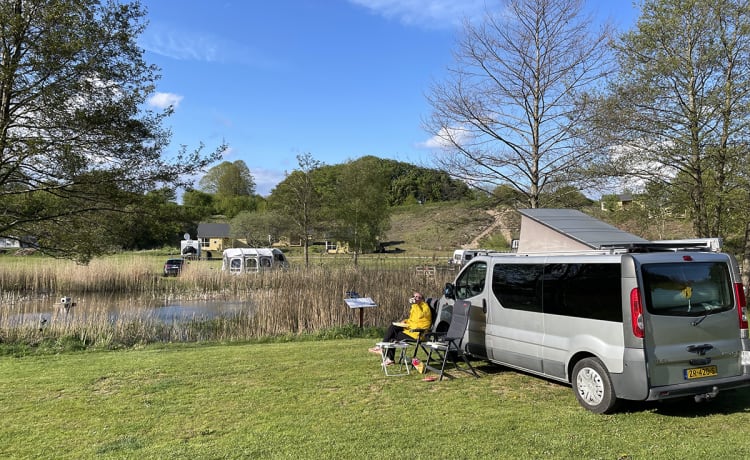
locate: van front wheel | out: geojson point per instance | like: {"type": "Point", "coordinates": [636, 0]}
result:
{"type": "Point", "coordinates": [593, 387]}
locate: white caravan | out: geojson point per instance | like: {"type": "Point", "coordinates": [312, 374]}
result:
{"type": "Point", "coordinates": [252, 260]}
{"type": "Point", "coordinates": [462, 256]}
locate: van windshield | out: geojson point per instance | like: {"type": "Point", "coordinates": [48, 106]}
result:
{"type": "Point", "coordinates": [687, 289]}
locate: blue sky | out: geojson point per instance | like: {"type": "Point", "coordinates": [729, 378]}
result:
{"type": "Point", "coordinates": [339, 79]}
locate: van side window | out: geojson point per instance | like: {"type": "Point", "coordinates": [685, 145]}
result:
{"type": "Point", "coordinates": [583, 290]}
{"type": "Point", "coordinates": [580, 290]}
{"type": "Point", "coordinates": [471, 281]}
{"type": "Point", "coordinates": [518, 286]}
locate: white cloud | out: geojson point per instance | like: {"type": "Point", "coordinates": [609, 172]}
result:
{"type": "Point", "coordinates": [180, 45]}
{"type": "Point", "coordinates": [266, 180]}
{"type": "Point", "coordinates": [426, 13]}
{"type": "Point", "coordinates": [165, 100]}
{"type": "Point", "coordinates": [191, 45]}
{"type": "Point", "coordinates": [445, 139]}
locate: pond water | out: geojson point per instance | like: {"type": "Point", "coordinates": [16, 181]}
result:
{"type": "Point", "coordinates": [47, 310]}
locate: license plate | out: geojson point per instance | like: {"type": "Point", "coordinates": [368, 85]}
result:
{"type": "Point", "coordinates": [700, 372]}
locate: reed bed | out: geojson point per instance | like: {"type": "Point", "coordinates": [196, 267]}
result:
{"type": "Point", "coordinates": [280, 303]}
{"type": "Point", "coordinates": [41, 275]}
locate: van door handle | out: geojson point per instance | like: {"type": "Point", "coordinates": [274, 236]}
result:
{"type": "Point", "coordinates": [484, 306]}
{"type": "Point", "coordinates": [700, 349]}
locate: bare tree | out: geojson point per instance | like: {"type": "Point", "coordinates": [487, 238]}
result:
{"type": "Point", "coordinates": [507, 115]}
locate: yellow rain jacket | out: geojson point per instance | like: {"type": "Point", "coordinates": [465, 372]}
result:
{"type": "Point", "coordinates": [420, 317]}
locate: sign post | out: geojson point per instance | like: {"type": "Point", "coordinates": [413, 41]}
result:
{"type": "Point", "coordinates": [360, 303]}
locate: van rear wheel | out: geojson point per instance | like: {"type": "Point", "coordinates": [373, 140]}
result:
{"type": "Point", "coordinates": [593, 387]}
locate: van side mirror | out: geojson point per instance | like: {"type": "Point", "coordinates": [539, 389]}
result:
{"type": "Point", "coordinates": [450, 291]}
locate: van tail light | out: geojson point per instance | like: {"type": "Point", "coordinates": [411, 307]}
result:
{"type": "Point", "coordinates": [739, 292]}
{"type": "Point", "coordinates": [636, 313]}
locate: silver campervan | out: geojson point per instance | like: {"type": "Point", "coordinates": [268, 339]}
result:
{"type": "Point", "coordinates": [648, 322]}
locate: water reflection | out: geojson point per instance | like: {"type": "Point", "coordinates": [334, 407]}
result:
{"type": "Point", "coordinates": [46, 311]}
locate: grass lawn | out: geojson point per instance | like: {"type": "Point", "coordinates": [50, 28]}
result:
{"type": "Point", "coordinates": [328, 400]}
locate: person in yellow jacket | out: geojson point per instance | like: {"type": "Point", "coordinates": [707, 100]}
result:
{"type": "Point", "coordinates": [420, 317]}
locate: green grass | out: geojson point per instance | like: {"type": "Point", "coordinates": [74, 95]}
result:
{"type": "Point", "coordinates": [328, 400]}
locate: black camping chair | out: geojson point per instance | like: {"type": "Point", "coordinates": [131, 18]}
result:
{"type": "Point", "coordinates": [436, 329]}
{"type": "Point", "coordinates": [448, 346]}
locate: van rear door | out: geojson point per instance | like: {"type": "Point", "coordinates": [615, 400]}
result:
{"type": "Point", "coordinates": [690, 318]}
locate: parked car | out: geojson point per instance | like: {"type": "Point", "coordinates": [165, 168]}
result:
{"type": "Point", "coordinates": [173, 267]}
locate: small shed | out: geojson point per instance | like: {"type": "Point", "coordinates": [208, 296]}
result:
{"type": "Point", "coordinates": [561, 230]}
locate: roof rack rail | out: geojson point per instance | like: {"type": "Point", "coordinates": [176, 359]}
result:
{"type": "Point", "coordinates": [695, 244]}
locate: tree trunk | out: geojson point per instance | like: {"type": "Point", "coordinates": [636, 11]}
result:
{"type": "Point", "coordinates": [306, 245]}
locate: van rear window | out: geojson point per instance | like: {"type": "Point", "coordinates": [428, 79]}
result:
{"type": "Point", "coordinates": [687, 288]}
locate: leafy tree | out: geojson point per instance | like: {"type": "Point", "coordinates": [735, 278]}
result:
{"type": "Point", "coordinates": [413, 183]}
{"type": "Point", "coordinates": [299, 198]}
{"type": "Point", "coordinates": [198, 204]}
{"type": "Point", "coordinates": [230, 206]}
{"type": "Point", "coordinates": [158, 221]}
{"type": "Point", "coordinates": [228, 179]}
{"type": "Point", "coordinates": [232, 187]}
{"type": "Point", "coordinates": [678, 111]}
{"type": "Point", "coordinates": [259, 228]}
{"type": "Point", "coordinates": [77, 146]}
{"type": "Point", "coordinates": [507, 114]}
{"type": "Point", "coordinates": [360, 208]}
{"type": "Point", "coordinates": [408, 183]}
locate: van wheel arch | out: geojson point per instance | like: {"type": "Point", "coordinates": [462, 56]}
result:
{"type": "Point", "coordinates": [592, 385]}
{"type": "Point", "coordinates": [574, 360]}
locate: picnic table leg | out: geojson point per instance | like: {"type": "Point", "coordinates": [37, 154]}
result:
{"type": "Point", "coordinates": [361, 315]}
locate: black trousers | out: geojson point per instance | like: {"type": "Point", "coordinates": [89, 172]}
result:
{"type": "Point", "coordinates": [395, 334]}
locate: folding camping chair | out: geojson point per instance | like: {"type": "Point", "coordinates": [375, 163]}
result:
{"type": "Point", "coordinates": [448, 346]}
{"type": "Point", "coordinates": [427, 333]}
{"type": "Point", "coordinates": [433, 332]}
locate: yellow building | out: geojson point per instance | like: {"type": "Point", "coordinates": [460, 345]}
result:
{"type": "Point", "coordinates": [214, 238]}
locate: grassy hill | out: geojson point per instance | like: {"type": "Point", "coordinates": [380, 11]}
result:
{"type": "Point", "coordinates": [436, 227]}
{"type": "Point", "coordinates": [439, 228]}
